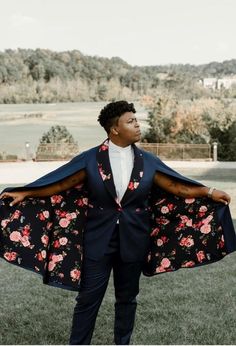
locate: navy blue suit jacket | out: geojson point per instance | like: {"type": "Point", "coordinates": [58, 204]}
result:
{"type": "Point", "coordinates": [165, 231]}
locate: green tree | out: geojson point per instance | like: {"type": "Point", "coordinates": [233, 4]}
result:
{"type": "Point", "coordinates": [221, 124]}
{"type": "Point", "coordinates": [57, 134]}
{"type": "Point", "coordinates": [226, 139]}
{"type": "Point", "coordinates": [56, 144]}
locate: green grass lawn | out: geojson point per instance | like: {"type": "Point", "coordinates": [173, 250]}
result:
{"type": "Point", "coordinates": [189, 306]}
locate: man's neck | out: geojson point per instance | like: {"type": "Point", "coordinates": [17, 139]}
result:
{"type": "Point", "coordinates": [118, 142]}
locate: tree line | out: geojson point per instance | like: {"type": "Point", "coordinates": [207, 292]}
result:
{"type": "Point", "coordinates": [43, 76]}
{"type": "Point", "coordinates": [193, 122]}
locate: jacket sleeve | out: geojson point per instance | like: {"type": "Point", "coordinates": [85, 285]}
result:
{"type": "Point", "coordinates": [62, 172]}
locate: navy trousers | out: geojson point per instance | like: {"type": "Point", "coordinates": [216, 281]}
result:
{"type": "Point", "coordinates": [95, 277]}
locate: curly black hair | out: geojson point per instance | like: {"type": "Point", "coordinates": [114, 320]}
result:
{"type": "Point", "coordinates": [110, 114]}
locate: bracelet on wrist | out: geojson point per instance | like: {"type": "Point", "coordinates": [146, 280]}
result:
{"type": "Point", "coordinates": [210, 191]}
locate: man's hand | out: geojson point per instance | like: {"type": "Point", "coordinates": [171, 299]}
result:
{"type": "Point", "coordinates": [17, 196]}
{"type": "Point", "coordinates": [220, 196]}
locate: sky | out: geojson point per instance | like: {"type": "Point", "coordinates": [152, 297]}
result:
{"type": "Point", "coordinates": [141, 32]}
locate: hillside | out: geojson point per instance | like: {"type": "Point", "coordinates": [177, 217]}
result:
{"type": "Point", "coordinates": [41, 75]}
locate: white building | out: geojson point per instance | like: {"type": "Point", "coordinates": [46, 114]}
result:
{"type": "Point", "coordinates": [218, 83]}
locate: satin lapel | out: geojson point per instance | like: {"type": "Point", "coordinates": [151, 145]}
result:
{"type": "Point", "coordinates": [136, 174]}
{"type": "Point", "coordinates": [104, 169]}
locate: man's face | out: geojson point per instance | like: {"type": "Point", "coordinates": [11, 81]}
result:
{"type": "Point", "coordinates": [128, 128]}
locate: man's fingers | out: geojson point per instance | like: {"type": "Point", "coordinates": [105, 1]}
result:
{"type": "Point", "coordinates": [6, 194]}
{"type": "Point", "coordinates": [224, 201]}
{"type": "Point", "coordinates": [15, 200]}
{"type": "Point", "coordinates": [3, 195]}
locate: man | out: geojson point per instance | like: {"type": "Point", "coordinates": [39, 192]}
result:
{"type": "Point", "coordinates": [119, 178]}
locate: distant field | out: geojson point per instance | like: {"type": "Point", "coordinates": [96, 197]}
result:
{"type": "Point", "coordinates": [80, 119]}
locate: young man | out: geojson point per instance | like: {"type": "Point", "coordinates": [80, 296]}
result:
{"type": "Point", "coordinates": [119, 178]}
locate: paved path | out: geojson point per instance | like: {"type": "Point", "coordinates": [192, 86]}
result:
{"type": "Point", "coordinates": [25, 172]}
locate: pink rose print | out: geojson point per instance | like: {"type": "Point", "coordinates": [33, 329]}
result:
{"type": "Point", "coordinates": [207, 219]}
{"type": "Point", "coordinates": [85, 201]}
{"type": "Point", "coordinates": [25, 241]}
{"type": "Point", "coordinates": [59, 212]}
{"type": "Point", "coordinates": [189, 223]}
{"type": "Point", "coordinates": [162, 220]}
{"type": "Point", "coordinates": [63, 241]}
{"type": "Point", "coordinates": [133, 185]}
{"type": "Point", "coordinates": [73, 215]}
{"type": "Point", "coordinates": [46, 214]}
{"type": "Point", "coordinates": [80, 202]}
{"type": "Point", "coordinates": [187, 241]}
{"type": "Point", "coordinates": [160, 269]}
{"type": "Point", "coordinates": [164, 239]}
{"type": "Point", "coordinates": [15, 236]}
{"type": "Point", "coordinates": [184, 218]}
{"type": "Point", "coordinates": [170, 206]}
{"type": "Point", "coordinates": [10, 256]}
{"type": "Point", "coordinates": [56, 244]}
{"type": "Point", "coordinates": [68, 216]}
{"type": "Point", "coordinates": [222, 242]}
{"type": "Point", "coordinates": [189, 200]}
{"type": "Point", "coordinates": [57, 258]}
{"type": "Point", "coordinates": [49, 225]}
{"type": "Point", "coordinates": [103, 175]}
{"type": "Point", "coordinates": [75, 274]}
{"type": "Point", "coordinates": [26, 230]}
{"type": "Point", "coordinates": [200, 256]}
{"type": "Point", "coordinates": [39, 257]}
{"type": "Point", "coordinates": [203, 209]}
{"type": "Point", "coordinates": [41, 216]}
{"type": "Point", "coordinates": [51, 266]}
{"type": "Point", "coordinates": [43, 253]}
{"type": "Point", "coordinates": [155, 232]}
{"type": "Point", "coordinates": [164, 210]}
{"type": "Point", "coordinates": [56, 199]}
{"type": "Point", "coordinates": [165, 263]}
{"type": "Point", "coordinates": [159, 242]}
{"type": "Point", "coordinates": [16, 215]}
{"type": "Point", "coordinates": [161, 201]}
{"type": "Point", "coordinates": [188, 264]}
{"type": "Point", "coordinates": [104, 146]}
{"type": "Point", "coordinates": [205, 229]}
{"type": "Point", "coordinates": [4, 223]}
{"type": "Point", "coordinates": [45, 239]}
{"type": "Point", "coordinates": [64, 222]}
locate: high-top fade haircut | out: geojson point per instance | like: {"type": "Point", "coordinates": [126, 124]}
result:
{"type": "Point", "coordinates": [111, 113]}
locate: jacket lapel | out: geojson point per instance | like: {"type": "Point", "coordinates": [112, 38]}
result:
{"type": "Point", "coordinates": [136, 174]}
{"type": "Point", "coordinates": [105, 171]}
{"type": "Point", "coordinates": [104, 168]}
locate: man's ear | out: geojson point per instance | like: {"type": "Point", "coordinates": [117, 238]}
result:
{"type": "Point", "coordinates": [114, 131]}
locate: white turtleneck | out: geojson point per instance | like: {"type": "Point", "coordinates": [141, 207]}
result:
{"type": "Point", "coordinates": [122, 162]}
